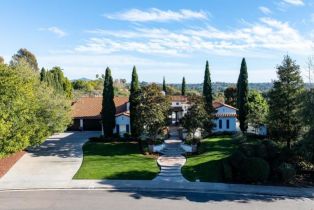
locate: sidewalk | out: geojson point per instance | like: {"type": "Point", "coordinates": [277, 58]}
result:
{"type": "Point", "coordinates": [145, 185]}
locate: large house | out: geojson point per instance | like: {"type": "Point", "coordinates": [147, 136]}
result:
{"type": "Point", "coordinates": [225, 116]}
{"type": "Point", "coordinates": [86, 114]}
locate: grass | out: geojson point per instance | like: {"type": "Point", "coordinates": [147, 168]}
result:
{"type": "Point", "coordinates": [207, 166]}
{"type": "Point", "coordinates": [116, 160]}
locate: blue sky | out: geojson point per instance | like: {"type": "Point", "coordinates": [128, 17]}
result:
{"type": "Point", "coordinates": [162, 38]}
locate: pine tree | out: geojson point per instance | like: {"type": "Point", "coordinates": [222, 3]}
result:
{"type": "Point", "coordinates": [108, 107]}
{"type": "Point", "coordinates": [164, 86]}
{"type": "Point", "coordinates": [134, 102]}
{"type": "Point", "coordinates": [242, 96]}
{"type": "Point", "coordinates": [183, 87]}
{"type": "Point", "coordinates": [285, 104]}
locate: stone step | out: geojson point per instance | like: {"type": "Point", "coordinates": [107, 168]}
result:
{"type": "Point", "coordinates": [170, 174]}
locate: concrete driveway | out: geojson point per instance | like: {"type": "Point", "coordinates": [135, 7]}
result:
{"type": "Point", "coordinates": [53, 164]}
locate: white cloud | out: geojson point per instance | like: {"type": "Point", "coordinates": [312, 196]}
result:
{"type": "Point", "coordinates": [153, 14]}
{"type": "Point", "coordinates": [265, 10]}
{"type": "Point", "coordinates": [255, 39]}
{"type": "Point", "coordinates": [55, 30]}
{"type": "Point", "coordinates": [294, 2]}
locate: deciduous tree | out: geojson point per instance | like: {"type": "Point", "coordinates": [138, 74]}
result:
{"type": "Point", "coordinates": [24, 54]}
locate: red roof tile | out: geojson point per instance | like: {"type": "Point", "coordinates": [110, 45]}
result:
{"type": "Point", "coordinates": [90, 107]}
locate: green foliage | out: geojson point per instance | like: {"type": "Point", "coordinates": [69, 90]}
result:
{"type": "Point", "coordinates": [207, 90]}
{"type": "Point", "coordinates": [308, 111]}
{"type": "Point", "coordinates": [29, 110]}
{"type": "Point", "coordinates": [287, 172]}
{"type": "Point", "coordinates": [227, 171]}
{"type": "Point", "coordinates": [236, 159]}
{"type": "Point", "coordinates": [25, 55]}
{"type": "Point", "coordinates": [242, 96]}
{"type": "Point", "coordinates": [255, 170]}
{"type": "Point", "coordinates": [285, 104]}
{"type": "Point", "coordinates": [108, 107]}
{"type": "Point", "coordinates": [56, 79]}
{"type": "Point", "coordinates": [153, 110]}
{"type": "Point", "coordinates": [230, 94]}
{"type": "Point", "coordinates": [195, 116]}
{"type": "Point", "coordinates": [164, 86]}
{"type": "Point", "coordinates": [134, 103]}
{"type": "Point", "coordinates": [183, 88]}
{"type": "Point", "coordinates": [258, 109]}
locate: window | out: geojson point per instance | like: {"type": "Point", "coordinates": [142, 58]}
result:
{"type": "Point", "coordinates": [127, 128]}
{"type": "Point", "coordinates": [228, 124]}
{"type": "Point", "coordinates": [177, 103]}
{"type": "Point", "coordinates": [117, 128]}
{"type": "Point", "coordinates": [220, 124]}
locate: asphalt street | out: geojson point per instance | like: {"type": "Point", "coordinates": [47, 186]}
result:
{"type": "Point", "coordinates": [104, 199]}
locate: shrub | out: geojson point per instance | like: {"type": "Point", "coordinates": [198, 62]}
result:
{"type": "Point", "coordinates": [96, 139]}
{"type": "Point", "coordinates": [261, 151]}
{"type": "Point", "coordinates": [272, 149]}
{"type": "Point", "coordinates": [227, 171]}
{"type": "Point", "coordinates": [254, 170]}
{"type": "Point", "coordinates": [236, 159]}
{"type": "Point", "coordinates": [287, 172]}
{"type": "Point", "coordinates": [247, 149]}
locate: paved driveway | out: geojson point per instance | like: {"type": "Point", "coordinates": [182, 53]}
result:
{"type": "Point", "coordinates": [53, 164]}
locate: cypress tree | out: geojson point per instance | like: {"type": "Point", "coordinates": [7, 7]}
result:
{"type": "Point", "coordinates": [242, 96]}
{"type": "Point", "coordinates": [164, 87]}
{"type": "Point", "coordinates": [208, 101]}
{"type": "Point", "coordinates": [43, 75]}
{"type": "Point", "coordinates": [134, 101]}
{"type": "Point", "coordinates": [207, 90]}
{"type": "Point", "coordinates": [285, 103]}
{"type": "Point", "coordinates": [183, 87]}
{"type": "Point", "coordinates": [108, 107]}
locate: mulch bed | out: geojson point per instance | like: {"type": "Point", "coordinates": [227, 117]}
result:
{"type": "Point", "coordinates": [7, 162]}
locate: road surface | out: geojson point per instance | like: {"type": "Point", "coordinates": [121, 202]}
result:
{"type": "Point", "coordinates": [104, 199]}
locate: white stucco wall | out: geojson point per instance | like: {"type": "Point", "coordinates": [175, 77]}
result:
{"type": "Point", "coordinates": [232, 120]}
{"type": "Point", "coordinates": [232, 124]}
{"type": "Point", "coordinates": [122, 121]}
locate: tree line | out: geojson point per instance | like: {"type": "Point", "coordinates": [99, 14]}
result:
{"type": "Point", "coordinates": [31, 108]}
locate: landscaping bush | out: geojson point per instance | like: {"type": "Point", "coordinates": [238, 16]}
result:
{"type": "Point", "coordinates": [287, 172]}
{"type": "Point", "coordinates": [96, 139]}
{"type": "Point", "coordinates": [260, 151]}
{"type": "Point", "coordinates": [254, 170]}
{"type": "Point", "coordinates": [247, 149]}
{"type": "Point", "coordinates": [227, 171]}
{"type": "Point", "coordinates": [236, 159]}
{"type": "Point", "coordinates": [272, 149]}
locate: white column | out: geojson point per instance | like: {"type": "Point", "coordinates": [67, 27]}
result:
{"type": "Point", "coordinates": [81, 124]}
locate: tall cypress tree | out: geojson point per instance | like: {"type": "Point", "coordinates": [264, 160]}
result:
{"type": "Point", "coordinates": [43, 75]}
{"type": "Point", "coordinates": [285, 103]}
{"type": "Point", "coordinates": [183, 87]}
{"type": "Point", "coordinates": [134, 102]}
{"type": "Point", "coordinates": [207, 90]}
{"type": "Point", "coordinates": [242, 96]}
{"type": "Point", "coordinates": [164, 86]}
{"type": "Point", "coordinates": [108, 107]}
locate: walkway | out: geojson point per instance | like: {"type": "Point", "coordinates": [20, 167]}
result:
{"type": "Point", "coordinates": [172, 160]}
{"type": "Point", "coordinates": [52, 164]}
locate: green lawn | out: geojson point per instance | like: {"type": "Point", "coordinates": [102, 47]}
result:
{"type": "Point", "coordinates": [207, 165]}
{"type": "Point", "coordinates": [116, 160]}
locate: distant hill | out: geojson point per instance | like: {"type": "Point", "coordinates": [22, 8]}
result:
{"type": "Point", "coordinates": [83, 79]}
{"type": "Point", "coordinates": [221, 86]}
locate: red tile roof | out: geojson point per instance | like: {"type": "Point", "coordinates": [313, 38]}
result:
{"type": "Point", "coordinates": [90, 107]}
{"type": "Point", "coordinates": [179, 98]}
{"type": "Point", "coordinates": [217, 104]}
